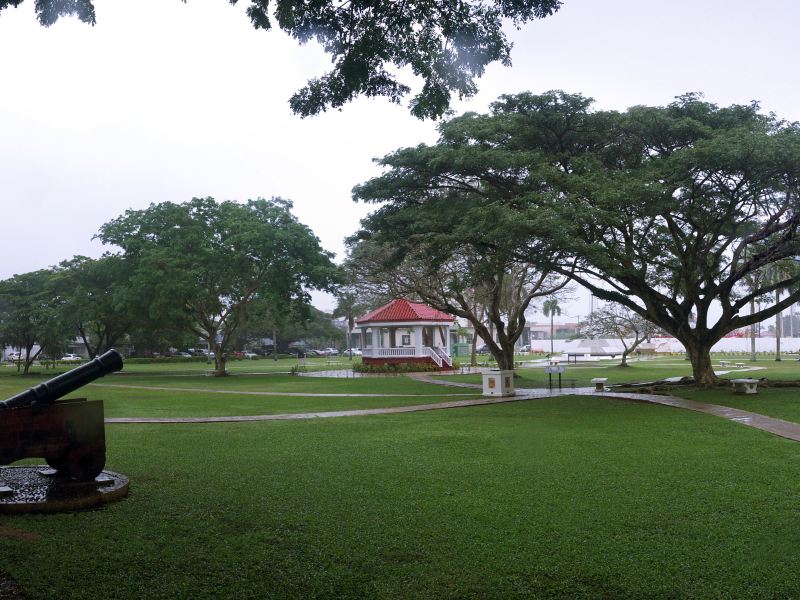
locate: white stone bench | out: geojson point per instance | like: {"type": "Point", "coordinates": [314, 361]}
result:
{"type": "Point", "coordinates": [740, 365]}
{"type": "Point", "coordinates": [745, 386]}
{"type": "Point", "coordinates": [725, 363]}
{"type": "Point", "coordinates": [599, 383]}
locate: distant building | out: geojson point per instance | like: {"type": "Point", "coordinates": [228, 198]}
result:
{"type": "Point", "coordinates": [541, 331]}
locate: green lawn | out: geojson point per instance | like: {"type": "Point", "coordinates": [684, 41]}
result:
{"type": "Point", "coordinates": [644, 370]}
{"type": "Point", "coordinates": [155, 403]}
{"type": "Point", "coordinates": [196, 395]}
{"type": "Point", "coordinates": [783, 403]}
{"type": "Point", "coordinates": [575, 497]}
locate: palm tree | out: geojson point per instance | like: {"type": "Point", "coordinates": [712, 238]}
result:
{"type": "Point", "coordinates": [349, 305]}
{"type": "Point", "coordinates": [551, 308]}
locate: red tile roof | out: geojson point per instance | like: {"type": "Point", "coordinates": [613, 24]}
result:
{"type": "Point", "coordinates": [403, 310]}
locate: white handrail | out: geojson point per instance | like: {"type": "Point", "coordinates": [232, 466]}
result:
{"type": "Point", "coordinates": [435, 356]}
{"type": "Point", "coordinates": [443, 355]}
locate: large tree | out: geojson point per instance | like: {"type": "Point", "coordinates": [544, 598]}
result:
{"type": "Point", "coordinates": [446, 44]}
{"type": "Point", "coordinates": [98, 299]}
{"type": "Point", "coordinates": [613, 320]}
{"type": "Point", "coordinates": [202, 263]}
{"type": "Point", "coordinates": [424, 243]}
{"type": "Point", "coordinates": [665, 210]}
{"type": "Point", "coordinates": [450, 232]}
{"type": "Point", "coordinates": [681, 205]}
{"type": "Point", "coordinates": [31, 317]}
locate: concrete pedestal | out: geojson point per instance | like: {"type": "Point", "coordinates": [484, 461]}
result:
{"type": "Point", "coordinates": [498, 383]}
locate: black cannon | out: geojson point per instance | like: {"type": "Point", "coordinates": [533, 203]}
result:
{"type": "Point", "coordinates": [68, 434]}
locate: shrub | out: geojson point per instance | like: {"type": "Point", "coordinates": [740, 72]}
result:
{"type": "Point", "coordinates": [395, 368]}
{"type": "Point", "coordinates": [164, 359]}
{"type": "Point", "coordinates": [296, 369]}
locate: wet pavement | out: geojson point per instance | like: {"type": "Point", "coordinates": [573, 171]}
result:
{"type": "Point", "coordinates": [263, 393]}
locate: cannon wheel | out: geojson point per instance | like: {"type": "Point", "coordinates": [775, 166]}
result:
{"type": "Point", "coordinates": [80, 462]}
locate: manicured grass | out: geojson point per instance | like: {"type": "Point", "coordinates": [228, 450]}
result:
{"type": "Point", "coordinates": [643, 370]}
{"type": "Point", "coordinates": [200, 396]}
{"type": "Point", "coordinates": [282, 383]}
{"type": "Point", "coordinates": [173, 403]}
{"type": "Point", "coordinates": [575, 497]}
{"type": "Point", "coordinates": [782, 403]}
{"type": "Point", "coordinates": [582, 373]}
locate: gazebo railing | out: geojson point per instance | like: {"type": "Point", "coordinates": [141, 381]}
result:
{"type": "Point", "coordinates": [437, 355]}
{"type": "Point", "coordinates": [389, 352]}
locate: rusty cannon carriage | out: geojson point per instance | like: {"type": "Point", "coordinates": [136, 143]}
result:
{"type": "Point", "coordinates": [68, 434]}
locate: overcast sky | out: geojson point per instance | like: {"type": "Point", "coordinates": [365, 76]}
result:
{"type": "Point", "coordinates": [165, 101]}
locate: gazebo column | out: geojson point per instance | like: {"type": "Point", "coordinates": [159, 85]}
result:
{"type": "Point", "coordinates": [375, 340]}
{"type": "Point", "coordinates": [418, 340]}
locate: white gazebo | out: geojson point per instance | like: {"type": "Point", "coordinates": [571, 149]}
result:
{"type": "Point", "coordinates": [406, 332]}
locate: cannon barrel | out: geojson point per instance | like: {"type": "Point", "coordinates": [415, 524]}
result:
{"type": "Point", "coordinates": [53, 389]}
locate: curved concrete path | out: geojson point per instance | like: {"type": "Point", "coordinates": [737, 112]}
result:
{"type": "Point", "coordinates": [779, 427]}
{"type": "Point", "coordinates": [261, 393]}
{"type": "Point", "coordinates": [322, 415]}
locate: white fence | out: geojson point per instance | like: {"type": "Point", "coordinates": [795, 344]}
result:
{"type": "Point", "coordinates": [763, 344]}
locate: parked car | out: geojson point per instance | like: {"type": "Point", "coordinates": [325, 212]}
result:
{"type": "Point", "coordinates": [250, 355]}
{"type": "Point", "coordinates": [483, 350]}
{"type": "Point", "coordinates": [70, 357]}
{"type": "Point", "coordinates": [354, 352]}
{"type": "Point", "coordinates": [14, 356]}
{"type": "Point", "coordinates": [330, 351]}
{"type": "Point", "coordinates": [182, 355]}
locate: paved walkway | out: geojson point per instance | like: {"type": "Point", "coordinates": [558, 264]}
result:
{"type": "Point", "coordinates": [262, 393]}
{"type": "Point", "coordinates": [779, 427]}
{"type": "Point", "coordinates": [772, 425]}
{"type": "Point", "coordinates": [323, 415]}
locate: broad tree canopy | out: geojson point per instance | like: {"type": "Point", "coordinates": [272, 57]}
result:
{"type": "Point", "coordinates": [446, 235]}
{"type": "Point", "coordinates": [97, 299]}
{"type": "Point", "coordinates": [667, 211]}
{"type": "Point", "coordinates": [203, 262]}
{"type": "Point", "coordinates": [30, 315]}
{"type": "Point", "coordinates": [446, 44]}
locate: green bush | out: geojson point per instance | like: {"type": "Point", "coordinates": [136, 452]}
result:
{"type": "Point", "coordinates": [395, 368]}
{"type": "Point", "coordinates": [165, 359]}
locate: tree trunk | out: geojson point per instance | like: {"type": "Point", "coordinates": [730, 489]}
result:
{"type": "Point", "coordinates": [219, 355]}
{"type": "Point", "coordinates": [219, 364]}
{"type": "Point", "coordinates": [778, 327]}
{"type": "Point", "coordinates": [624, 362]}
{"type": "Point", "coordinates": [505, 358]}
{"type": "Point", "coordinates": [700, 357]}
{"type": "Point", "coordinates": [752, 333]}
{"type": "Point", "coordinates": [473, 353]}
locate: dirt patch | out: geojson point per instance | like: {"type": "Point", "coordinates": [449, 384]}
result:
{"type": "Point", "coordinates": [9, 589]}
{"type": "Point", "coordinates": [18, 534]}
